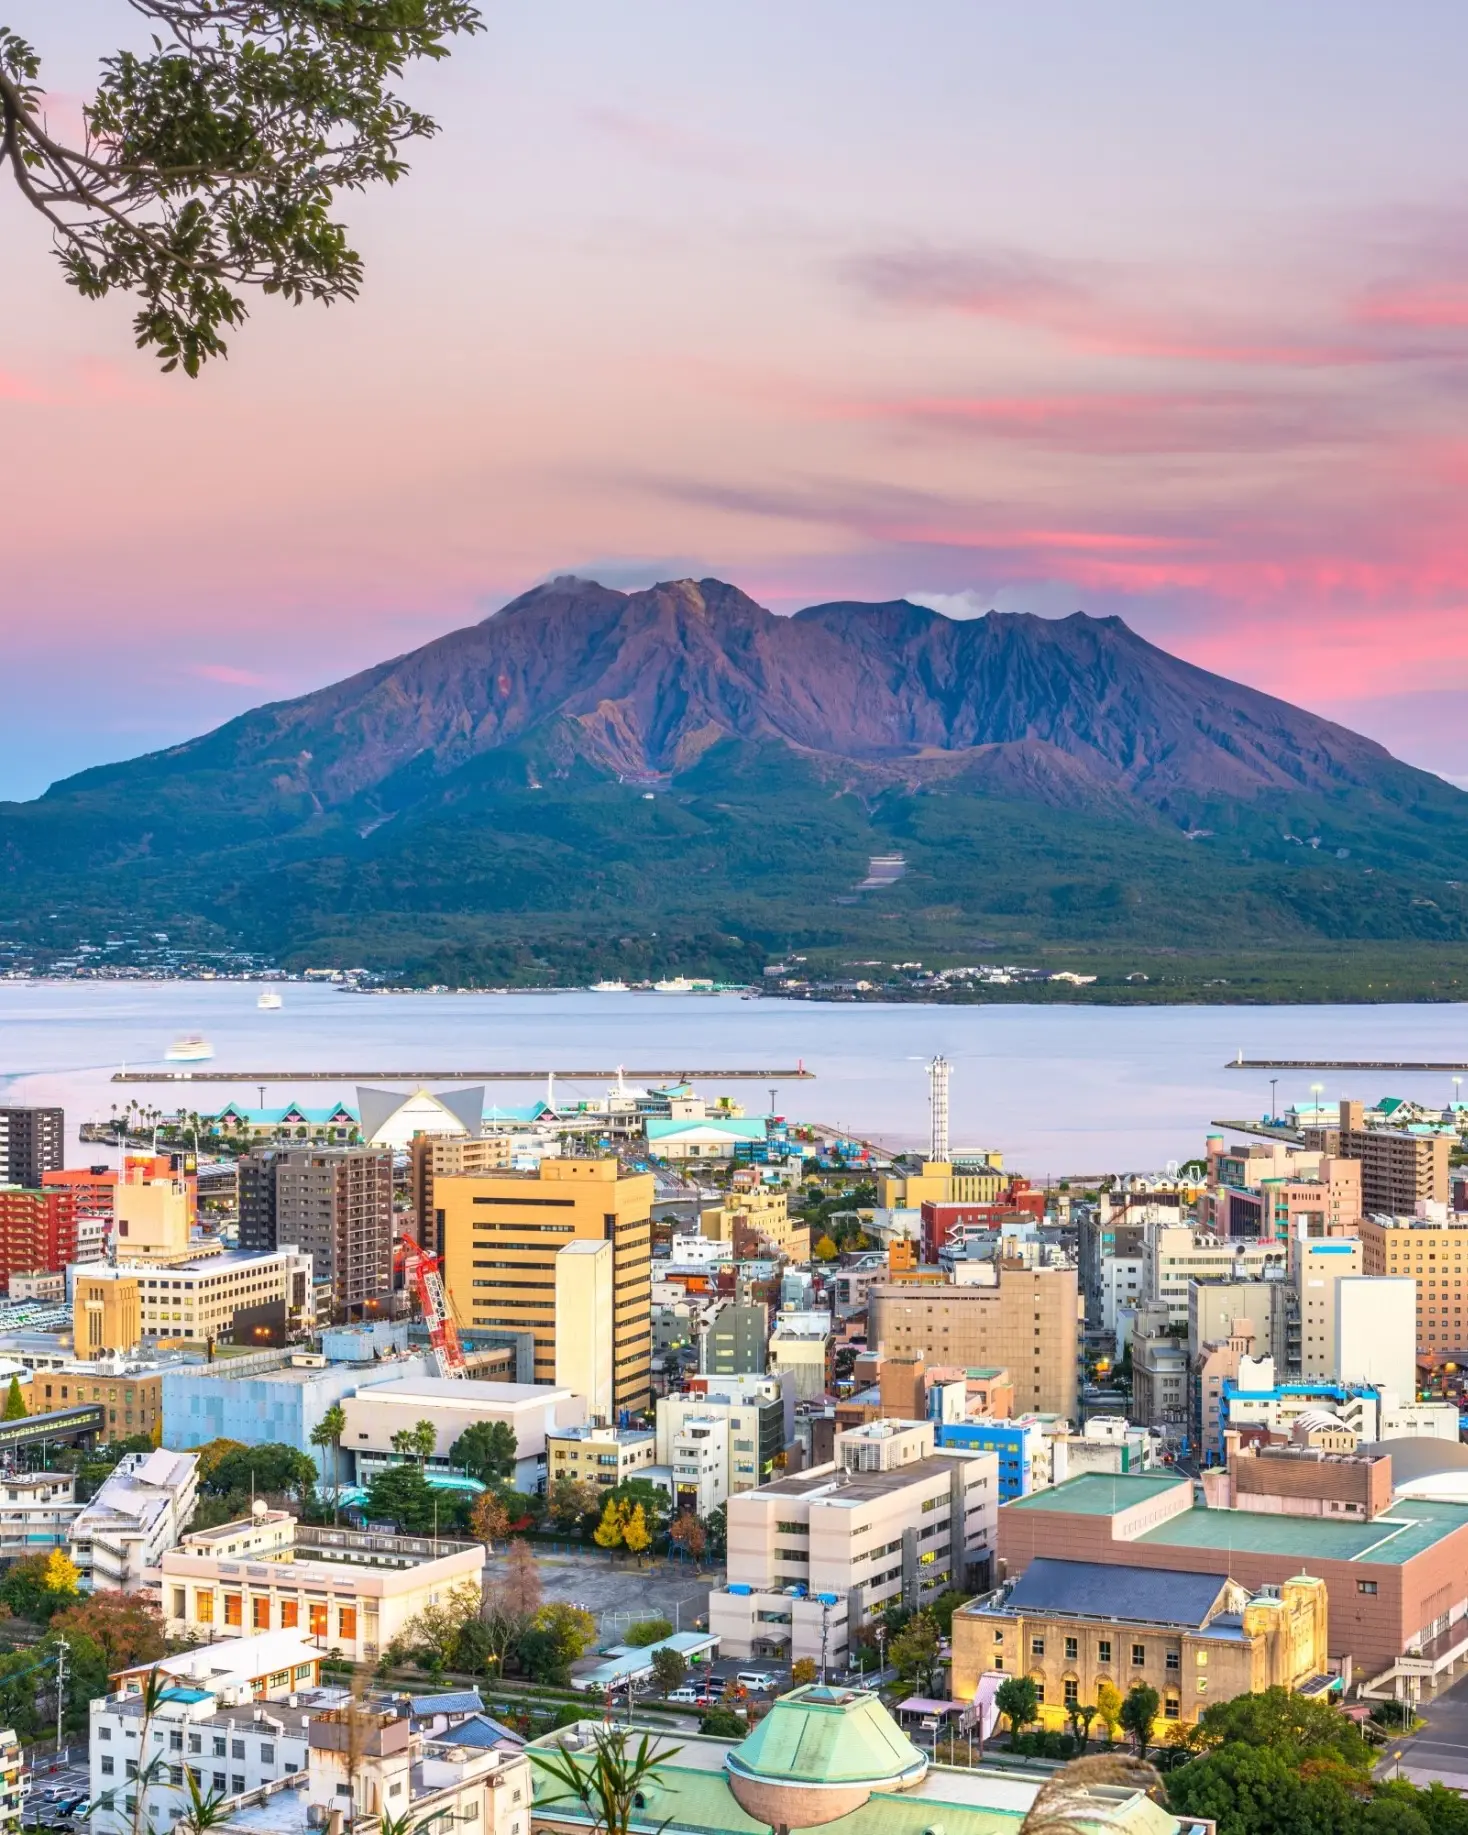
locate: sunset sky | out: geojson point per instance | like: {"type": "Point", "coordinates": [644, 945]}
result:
{"type": "Point", "coordinates": [1143, 309]}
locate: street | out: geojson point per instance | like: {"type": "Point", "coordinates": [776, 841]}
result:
{"type": "Point", "coordinates": [1440, 1749]}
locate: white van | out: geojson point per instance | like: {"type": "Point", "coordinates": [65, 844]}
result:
{"type": "Point", "coordinates": [757, 1681]}
{"type": "Point", "coordinates": [684, 1695]}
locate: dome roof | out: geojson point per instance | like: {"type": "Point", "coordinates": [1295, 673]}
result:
{"type": "Point", "coordinates": [1421, 1457]}
{"type": "Point", "coordinates": [818, 1754]}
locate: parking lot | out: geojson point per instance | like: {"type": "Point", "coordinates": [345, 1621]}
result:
{"type": "Point", "coordinates": [619, 1593]}
{"type": "Point", "coordinates": [50, 1782]}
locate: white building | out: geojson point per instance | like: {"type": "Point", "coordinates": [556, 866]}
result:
{"type": "Point", "coordinates": [1319, 1265]}
{"type": "Point", "coordinates": [1120, 1282]}
{"type": "Point", "coordinates": [37, 1510]}
{"type": "Point", "coordinates": [1173, 1255]}
{"type": "Point", "coordinates": [798, 1347]}
{"type": "Point", "coordinates": [140, 1512]}
{"type": "Point", "coordinates": [390, 1119]}
{"type": "Point", "coordinates": [12, 1782]}
{"type": "Point", "coordinates": [1376, 1332]}
{"type": "Point", "coordinates": [699, 1252]}
{"type": "Point", "coordinates": [532, 1409]}
{"type": "Point", "coordinates": [698, 1456]}
{"type": "Point", "coordinates": [758, 1421]}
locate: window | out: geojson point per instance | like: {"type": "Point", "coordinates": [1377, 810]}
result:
{"type": "Point", "coordinates": [347, 1622]}
{"type": "Point", "coordinates": [220, 1748]}
{"type": "Point", "coordinates": [107, 1765]}
{"type": "Point", "coordinates": [998, 1637]}
{"type": "Point", "coordinates": [1039, 1682]}
{"type": "Point", "coordinates": [1072, 1691]}
{"type": "Point", "coordinates": [204, 1607]}
{"type": "Point", "coordinates": [1037, 1647]}
{"type": "Point", "coordinates": [195, 1743]}
{"type": "Point", "coordinates": [1365, 1586]}
{"type": "Point", "coordinates": [289, 1614]}
{"type": "Point", "coordinates": [175, 1740]}
{"type": "Point", "coordinates": [318, 1620]}
{"type": "Point", "coordinates": [236, 1748]}
{"type": "Point", "coordinates": [267, 1753]}
{"type": "Point", "coordinates": [233, 1614]}
{"type": "Point", "coordinates": [1103, 1650]}
{"type": "Point", "coordinates": [218, 1780]}
{"type": "Point", "coordinates": [260, 1613]}
{"type": "Point", "coordinates": [786, 1529]}
{"type": "Point", "coordinates": [1139, 1656]}
{"type": "Point", "coordinates": [237, 1782]}
{"type": "Point", "coordinates": [1174, 1660]}
{"type": "Point", "coordinates": [1072, 1649]}
{"type": "Point", "coordinates": [1169, 1708]}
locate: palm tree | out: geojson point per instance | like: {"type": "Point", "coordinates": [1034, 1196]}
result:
{"type": "Point", "coordinates": [328, 1433]}
{"type": "Point", "coordinates": [609, 1786]}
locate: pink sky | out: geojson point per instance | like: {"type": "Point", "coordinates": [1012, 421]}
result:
{"type": "Point", "coordinates": [1132, 310]}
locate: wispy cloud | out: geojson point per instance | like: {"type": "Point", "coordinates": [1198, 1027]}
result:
{"type": "Point", "coordinates": [228, 673]}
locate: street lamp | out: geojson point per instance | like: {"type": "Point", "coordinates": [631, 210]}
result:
{"type": "Point", "coordinates": [1273, 1100]}
{"type": "Point", "coordinates": [1317, 1090]}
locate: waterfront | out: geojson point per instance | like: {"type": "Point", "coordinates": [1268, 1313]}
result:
{"type": "Point", "coordinates": [1057, 1089]}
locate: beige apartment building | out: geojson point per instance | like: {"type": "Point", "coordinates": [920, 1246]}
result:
{"type": "Point", "coordinates": [248, 1576]}
{"type": "Point", "coordinates": [604, 1456]}
{"type": "Point", "coordinates": [888, 1522]}
{"type": "Point", "coordinates": [502, 1233]}
{"type": "Point", "coordinates": [195, 1301]}
{"type": "Point", "coordinates": [1027, 1322]}
{"type": "Point", "coordinates": [1398, 1170]}
{"type": "Point", "coordinates": [1433, 1254]}
{"type": "Point", "coordinates": [941, 1182]}
{"type": "Point", "coordinates": [132, 1395]}
{"type": "Point", "coordinates": [106, 1315]}
{"type": "Point", "coordinates": [1195, 1638]}
{"type": "Point", "coordinates": [435, 1156]}
{"type": "Point", "coordinates": [749, 1219]}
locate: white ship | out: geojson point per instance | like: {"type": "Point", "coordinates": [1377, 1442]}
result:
{"type": "Point", "coordinates": [680, 984]}
{"type": "Point", "coordinates": [268, 1002]}
{"type": "Point", "coordinates": [609, 987]}
{"type": "Point", "coordinates": [192, 1048]}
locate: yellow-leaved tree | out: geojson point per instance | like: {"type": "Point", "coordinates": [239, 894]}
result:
{"type": "Point", "coordinates": [636, 1536]}
{"type": "Point", "coordinates": [610, 1531]}
{"type": "Point", "coordinates": [63, 1577]}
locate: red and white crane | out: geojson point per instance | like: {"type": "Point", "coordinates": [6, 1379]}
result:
{"type": "Point", "coordinates": [425, 1271]}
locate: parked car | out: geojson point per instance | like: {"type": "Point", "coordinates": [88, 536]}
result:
{"type": "Point", "coordinates": [757, 1681]}
{"type": "Point", "coordinates": [690, 1696]}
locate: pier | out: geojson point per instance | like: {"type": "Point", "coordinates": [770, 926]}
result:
{"type": "Point", "coordinates": [1243, 1063]}
{"type": "Point", "coordinates": [617, 1073]}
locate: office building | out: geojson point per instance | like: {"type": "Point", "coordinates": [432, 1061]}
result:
{"type": "Point", "coordinates": [253, 1576]}
{"type": "Point", "coordinates": [129, 1391]}
{"type": "Point", "coordinates": [735, 1340]}
{"type": "Point", "coordinates": [756, 1223]}
{"type": "Point", "coordinates": [382, 1409]}
{"type": "Point", "coordinates": [1258, 1405]}
{"type": "Point", "coordinates": [94, 1188]}
{"type": "Point", "coordinates": [1315, 1268]}
{"type": "Point", "coordinates": [1025, 1321]}
{"type": "Point", "coordinates": [503, 1231]}
{"type": "Point", "coordinates": [815, 1557]}
{"type": "Point", "coordinates": [604, 1456]}
{"type": "Point", "coordinates": [1432, 1250]}
{"type": "Point", "coordinates": [585, 1322]}
{"type": "Point", "coordinates": [141, 1510]}
{"type": "Point", "coordinates": [1399, 1170]}
{"type": "Point", "coordinates": [1376, 1332]}
{"type": "Point", "coordinates": [274, 1396]}
{"type": "Point", "coordinates": [435, 1156]}
{"type": "Point", "coordinates": [1196, 1638]}
{"type": "Point", "coordinates": [154, 1221]}
{"type": "Point", "coordinates": [32, 1143]}
{"type": "Point", "coordinates": [1174, 1254]}
{"type": "Point", "coordinates": [196, 1302]}
{"type": "Point", "coordinates": [758, 1417]}
{"type": "Point", "coordinates": [106, 1314]}
{"type": "Point", "coordinates": [1021, 1448]}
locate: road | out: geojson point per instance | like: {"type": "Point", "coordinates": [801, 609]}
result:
{"type": "Point", "coordinates": [1440, 1749]}
{"type": "Point", "coordinates": [71, 1780]}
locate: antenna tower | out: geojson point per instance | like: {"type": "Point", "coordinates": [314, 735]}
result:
{"type": "Point", "coordinates": [939, 1071]}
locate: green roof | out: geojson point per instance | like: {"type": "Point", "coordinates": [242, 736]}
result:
{"type": "Point", "coordinates": [1100, 1493]}
{"type": "Point", "coordinates": [682, 1798]}
{"type": "Point", "coordinates": [1408, 1528]}
{"type": "Point", "coordinates": [817, 1735]}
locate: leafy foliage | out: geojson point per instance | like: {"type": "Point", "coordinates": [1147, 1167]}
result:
{"type": "Point", "coordinates": [1018, 1700]}
{"type": "Point", "coordinates": [486, 1451]}
{"type": "Point", "coordinates": [126, 1627]}
{"type": "Point", "coordinates": [15, 1408]}
{"type": "Point", "coordinates": [648, 1631]}
{"type": "Point", "coordinates": [557, 1636]}
{"type": "Point", "coordinates": [670, 1668]}
{"type": "Point", "coordinates": [607, 1789]}
{"type": "Point", "coordinates": [211, 164]}
{"type": "Point", "coordinates": [1139, 1714]}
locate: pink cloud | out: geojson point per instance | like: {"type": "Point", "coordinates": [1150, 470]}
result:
{"type": "Point", "coordinates": [226, 672]}
{"type": "Point", "coordinates": [1441, 305]}
{"type": "Point", "coordinates": [19, 388]}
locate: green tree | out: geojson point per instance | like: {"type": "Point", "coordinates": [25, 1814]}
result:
{"type": "Point", "coordinates": [914, 1652]}
{"type": "Point", "coordinates": [1262, 1790]}
{"type": "Point", "coordinates": [670, 1667]}
{"type": "Point", "coordinates": [1018, 1700]}
{"type": "Point", "coordinates": [211, 162]}
{"type": "Point", "coordinates": [609, 1790]}
{"type": "Point", "coordinates": [1139, 1714]}
{"type": "Point", "coordinates": [326, 1433]}
{"type": "Point", "coordinates": [279, 1471]}
{"type": "Point", "coordinates": [402, 1495]}
{"type": "Point", "coordinates": [722, 1723]}
{"type": "Point", "coordinates": [571, 1503]}
{"type": "Point", "coordinates": [15, 1408]}
{"type": "Point", "coordinates": [718, 1533]}
{"type": "Point", "coordinates": [647, 1631]}
{"type": "Point", "coordinates": [557, 1636]}
{"type": "Point", "coordinates": [487, 1450]}
{"type": "Point", "coordinates": [1108, 1707]}
{"type": "Point", "coordinates": [654, 1502]}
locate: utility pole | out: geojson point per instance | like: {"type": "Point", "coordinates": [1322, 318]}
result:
{"type": "Point", "coordinates": [825, 1622]}
{"type": "Point", "coordinates": [63, 1650]}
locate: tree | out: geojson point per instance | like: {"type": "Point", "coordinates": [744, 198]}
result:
{"type": "Point", "coordinates": [654, 1501]}
{"type": "Point", "coordinates": [718, 1533]}
{"type": "Point", "coordinates": [1018, 1700]}
{"type": "Point", "coordinates": [435, 1630]}
{"type": "Point", "coordinates": [648, 1631]}
{"type": "Point", "coordinates": [609, 1789]}
{"type": "Point", "coordinates": [571, 1502]}
{"type": "Point", "coordinates": [722, 1723]}
{"type": "Point", "coordinates": [211, 1456]}
{"type": "Point", "coordinates": [944, 1606]}
{"type": "Point", "coordinates": [670, 1667]}
{"type": "Point", "coordinates": [1080, 1714]}
{"type": "Point", "coordinates": [210, 163]}
{"type": "Point", "coordinates": [126, 1627]}
{"type": "Point", "coordinates": [690, 1535]}
{"type": "Point", "coordinates": [279, 1470]}
{"type": "Point", "coordinates": [423, 1442]}
{"type": "Point", "coordinates": [63, 1577]}
{"type": "Point", "coordinates": [402, 1495]}
{"type": "Point", "coordinates": [15, 1408]}
{"type": "Point", "coordinates": [1253, 1790]}
{"type": "Point", "coordinates": [1108, 1707]}
{"type": "Point", "coordinates": [636, 1536]}
{"type": "Point", "coordinates": [487, 1451]}
{"type": "Point", "coordinates": [914, 1652]}
{"type": "Point", "coordinates": [825, 1250]}
{"type": "Point", "coordinates": [489, 1519]}
{"type": "Point", "coordinates": [520, 1588]}
{"type": "Point", "coordinates": [26, 1588]}
{"type": "Point", "coordinates": [558, 1635]}
{"type": "Point", "coordinates": [1139, 1714]}
{"type": "Point", "coordinates": [802, 1671]}
{"type": "Point", "coordinates": [609, 1531]}
{"type": "Point", "coordinates": [326, 1433]}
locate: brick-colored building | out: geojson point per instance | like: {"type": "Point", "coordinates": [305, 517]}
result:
{"type": "Point", "coordinates": [1027, 1323]}
{"type": "Point", "coordinates": [1396, 1582]}
{"type": "Point", "coordinates": [37, 1232]}
{"type": "Point", "coordinates": [1433, 1254]}
{"type": "Point", "coordinates": [1397, 1169]}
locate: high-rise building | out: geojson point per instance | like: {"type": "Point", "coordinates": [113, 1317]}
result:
{"type": "Point", "coordinates": [332, 1203]}
{"type": "Point", "coordinates": [32, 1142]}
{"type": "Point", "coordinates": [1399, 1171]}
{"type": "Point", "coordinates": [106, 1314]}
{"type": "Point", "coordinates": [1432, 1251]}
{"type": "Point", "coordinates": [37, 1231]}
{"type": "Point", "coordinates": [434, 1156]}
{"type": "Point", "coordinates": [1316, 1268]}
{"type": "Point", "coordinates": [501, 1235]}
{"type": "Point", "coordinates": [1027, 1323]}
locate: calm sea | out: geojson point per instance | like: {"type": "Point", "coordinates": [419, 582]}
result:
{"type": "Point", "coordinates": [1057, 1089]}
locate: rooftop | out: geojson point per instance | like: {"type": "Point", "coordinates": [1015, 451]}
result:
{"type": "Point", "coordinates": [828, 1485]}
{"type": "Point", "coordinates": [471, 1394]}
{"type": "Point", "coordinates": [1101, 1493]}
{"type": "Point", "coordinates": [1095, 1590]}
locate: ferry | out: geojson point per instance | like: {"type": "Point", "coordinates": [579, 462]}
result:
{"type": "Point", "coordinates": [269, 1003]}
{"type": "Point", "coordinates": [609, 987]}
{"type": "Point", "coordinates": [192, 1048]}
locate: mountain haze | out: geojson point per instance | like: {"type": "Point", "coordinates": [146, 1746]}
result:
{"type": "Point", "coordinates": [587, 767]}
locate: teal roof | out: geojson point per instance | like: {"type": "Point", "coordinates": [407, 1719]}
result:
{"type": "Point", "coordinates": [291, 1111]}
{"type": "Point", "coordinates": [1409, 1528]}
{"type": "Point", "coordinates": [741, 1127]}
{"type": "Point", "coordinates": [817, 1735]}
{"type": "Point", "coordinates": [1100, 1493]}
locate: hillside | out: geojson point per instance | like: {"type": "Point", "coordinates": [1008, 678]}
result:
{"type": "Point", "coordinates": [590, 780]}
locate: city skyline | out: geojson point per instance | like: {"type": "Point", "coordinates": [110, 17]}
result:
{"type": "Point", "coordinates": [1157, 316]}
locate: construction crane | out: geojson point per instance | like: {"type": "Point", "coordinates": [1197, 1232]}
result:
{"type": "Point", "coordinates": [425, 1272]}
